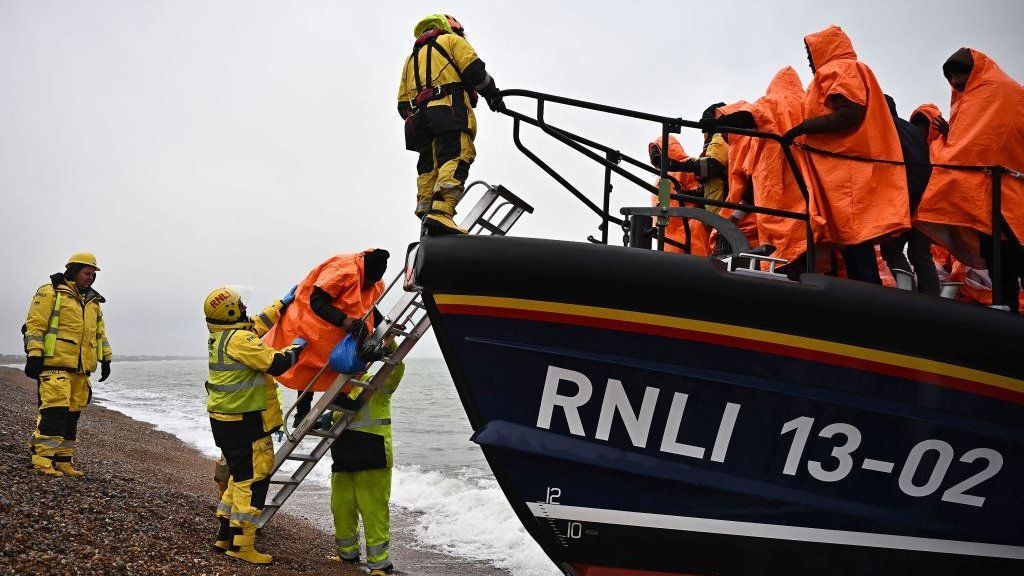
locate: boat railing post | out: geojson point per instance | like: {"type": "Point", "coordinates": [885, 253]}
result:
{"type": "Point", "coordinates": [997, 233]}
{"type": "Point", "coordinates": [664, 188]}
{"type": "Point", "coordinates": [802, 185]}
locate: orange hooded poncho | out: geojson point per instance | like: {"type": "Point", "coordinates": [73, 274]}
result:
{"type": "Point", "coordinates": [986, 126]}
{"type": "Point", "coordinates": [851, 201]}
{"type": "Point", "coordinates": [774, 184]}
{"type": "Point", "coordinates": [687, 185]}
{"type": "Point", "coordinates": [931, 112]}
{"type": "Point", "coordinates": [340, 276]}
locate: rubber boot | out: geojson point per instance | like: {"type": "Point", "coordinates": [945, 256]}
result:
{"type": "Point", "coordinates": [68, 469]}
{"type": "Point", "coordinates": [244, 546]}
{"type": "Point", "coordinates": [223, 542]}
{"type": "Point", "coordinates": [44, 465]}
{"type": "Point", "coordinates": [438, 224]}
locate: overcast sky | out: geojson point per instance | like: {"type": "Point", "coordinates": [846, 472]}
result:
{"type": "Point", "coordinates": [191, 144]}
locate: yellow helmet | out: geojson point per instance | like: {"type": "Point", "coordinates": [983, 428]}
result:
{"type": "Point", "coordinates": [224, 306]}
{"type": "Point", "coordinates": [86, 258]}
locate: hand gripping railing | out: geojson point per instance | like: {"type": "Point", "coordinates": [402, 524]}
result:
{"type": "Point", "coordinates": [612, 159]}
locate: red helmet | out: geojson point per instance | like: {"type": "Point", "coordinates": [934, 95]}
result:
{"type": "Point", "coordinates": [456, 25]}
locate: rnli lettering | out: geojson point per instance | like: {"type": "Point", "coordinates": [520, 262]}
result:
{"type": "Point", "coordinates": [637, 422]}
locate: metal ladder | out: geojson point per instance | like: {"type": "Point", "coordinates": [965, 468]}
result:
{"type": "Point", "coordinates": [407, 319]}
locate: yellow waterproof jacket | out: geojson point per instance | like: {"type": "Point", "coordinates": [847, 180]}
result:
{"type": "Point", "coordinates": [714, 188]}
{"type": "Point", "coordinates": [81, 337]}
{"type": "Point", "coordinates": [453, 111]}
{"type": "Point", "coordinates": [245, 347]}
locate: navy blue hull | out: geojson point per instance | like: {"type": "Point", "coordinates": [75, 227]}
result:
{"type": "Point", "coordinates": [633, 441]}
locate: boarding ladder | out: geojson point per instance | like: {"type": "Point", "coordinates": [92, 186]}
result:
{"type": "Point", "coordinates": [495, 213]}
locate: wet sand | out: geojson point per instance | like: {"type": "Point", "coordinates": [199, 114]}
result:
{"type": "Point", "coordinates": [147, 506]}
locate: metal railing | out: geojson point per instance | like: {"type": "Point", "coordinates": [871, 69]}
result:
{"type": "Point", "coordinates": [612, 160]}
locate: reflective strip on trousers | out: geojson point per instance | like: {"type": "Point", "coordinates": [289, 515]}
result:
{"type": "Point", "coordinates": [45, 441]}
{"type": "Point", "coordinates": [346, 542]}
{"type": "Point", "coordinates": [50, 339]}
{"type": "Point", "coordinates": [378, 549]}
{"type": "Point", "coordinates": [235, 387]}
{"type": "Point", "coordinates": [69, 444]}
{"type": "Point", "coordinates": [370, 422]}
{"type": "Point", "coordinates": [224, 510]}
{"type": "Point", "coordinates": [241, 517]}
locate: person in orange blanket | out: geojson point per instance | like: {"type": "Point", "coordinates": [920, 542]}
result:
{"type": "Point", "coordinates": [928, 119]}
{"type": "Point", "coordinates": [853, 203]}
{"type": "Point", "coordinates": [682, 183]}
{"type": "Point", "coordinates": [986, 127]}
{"type": "Point", "coordinates": [329, 303]}
{"type": "Point", "coordinates": [771, 177]}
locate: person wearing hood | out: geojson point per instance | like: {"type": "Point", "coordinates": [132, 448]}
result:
{"type": "Point", "coordinates": [244, 411]}
{"type": "Point", "coordinates": [853, 203]}
{"type": "Point", "coordinates": [436, 96]}
{"type": "Point", "coordinates": [685, 236]}
{"type": "Point", "coordinates": [927, 118]}
{"type": "Point", "coordinates": [772, 181]}
{"type": "Point", "coordinates": [914, 144]}
{"type": "Point", "coordinates": [330, 303]}
{"type": "Point", "coordinates": [986, 127]}
{"type": "Point", "coordinates": [65, 341]}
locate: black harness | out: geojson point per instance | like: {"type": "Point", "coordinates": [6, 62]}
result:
{"type": "Point", "coordinates": [424, 91]}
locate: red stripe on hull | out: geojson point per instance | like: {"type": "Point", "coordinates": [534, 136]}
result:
{"type": "Point", "coordinates": [588, 570]}
{"type": "Point", "coordinates": [944, 381]}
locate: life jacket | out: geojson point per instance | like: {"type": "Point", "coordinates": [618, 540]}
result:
{"type": "Point", "coordinates": [233, 387]}
{"type": "Point", "coordinates": [61, 359]}
{"type": "Point", "coordinates": [425, 92]}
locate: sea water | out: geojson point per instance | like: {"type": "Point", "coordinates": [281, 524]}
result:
{"type": "Point", "coordinates": [440, 478]}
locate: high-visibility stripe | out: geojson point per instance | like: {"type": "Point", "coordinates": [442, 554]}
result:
{"type": "Point", "coordinates": [243, 517]}
{"type": "Point", "coordinates": [378, 549]}
{"type": "Point", "coordinates": [824, 351]}
{"type": "Point", "coordinates": [224, 510]}
{"type": "Point", "coordinates": [32, 338]}
{"type": "Point", "coordinates": [40, 441]}
{"type": "Point", "coordinates": [370, 422]}
{"type": "Point", "coordinates": [50, 338]}
{"type": "Point", "coordinates": [346, 542]}
{"type": "Point", "coordinates": [772, 531]}
{"type": "Point", "coordinates": [265, 319]}
{"type": "Point", "coordinates": [234, 387]}
{"type": "Point", "coordinates": [232, 367]}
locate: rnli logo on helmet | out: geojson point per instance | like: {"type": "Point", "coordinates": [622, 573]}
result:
{"type": "Point", "coordinates": [219, 299]}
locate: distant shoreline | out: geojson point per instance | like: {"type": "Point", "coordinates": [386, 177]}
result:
{"type": "Point", "coordinates": [20, 358]}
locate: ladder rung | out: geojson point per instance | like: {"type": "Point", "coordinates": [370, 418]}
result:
{"type": "Point", "coordinates": [286, 481]}
{"type": "Point", "coordinates": [488, 226]}
{"type": "Point", "coordinates": [302, 457]}
{"type": "Point", "coordinates": [323, 433]}
{"type": "Point", "coordinates": [402, 333]}
{"type": "Point", "coordinates": [417, 304]}
{"type": "Point", "coordinates": [271, 505]}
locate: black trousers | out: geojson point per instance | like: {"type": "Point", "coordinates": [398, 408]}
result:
{"type": "Point", "coordinates": [861, 263]}
{"type": "Point", "coordinates": [1012, 270]}
{"type": "Point", "coordinates": [920, 259]}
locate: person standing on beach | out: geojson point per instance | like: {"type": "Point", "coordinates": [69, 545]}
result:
{"type": "Point", "coordinates": [65, 341]}
{"type": "Point", "coordinates": [244, 411]}
{"type": "Point", "coordinates": [361, 465]}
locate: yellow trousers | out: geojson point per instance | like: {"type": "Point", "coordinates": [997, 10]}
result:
{"type": "Point", "coordinates": [62, 396]}
{"type": "Point", "coordinates": [442, 169]}
{"type": "Point", "coordinates": [246, 493]}
{"type": "Point", "coordinates": [364, 493]}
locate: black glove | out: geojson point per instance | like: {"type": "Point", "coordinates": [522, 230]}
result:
{"type": "Point", "coordinates": [941, 125]}
{"type": "Point", "coordinates": [34, 367]}
{"type": "Point", "coordinates": [370, 354]}
{"type": "Point", "coordinates": [495, 103]}
{"type": "Point", "coordinates": [104, 370]}
{"type": "Point", "coordinates": [707, 118]}
{"type": "Point", "coordinates": [707, 124]}
{"type": "Point", "coordinates": [358, 330]}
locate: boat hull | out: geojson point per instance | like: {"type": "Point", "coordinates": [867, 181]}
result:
{"type": "Point", "coordinates": [649, 412]}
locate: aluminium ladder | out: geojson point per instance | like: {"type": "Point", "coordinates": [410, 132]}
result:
{"type": "Point", "coordinates": [407, 319]}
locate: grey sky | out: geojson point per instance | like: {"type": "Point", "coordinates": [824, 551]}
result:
{"type": "Point", "coordinates": [191, 144]}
